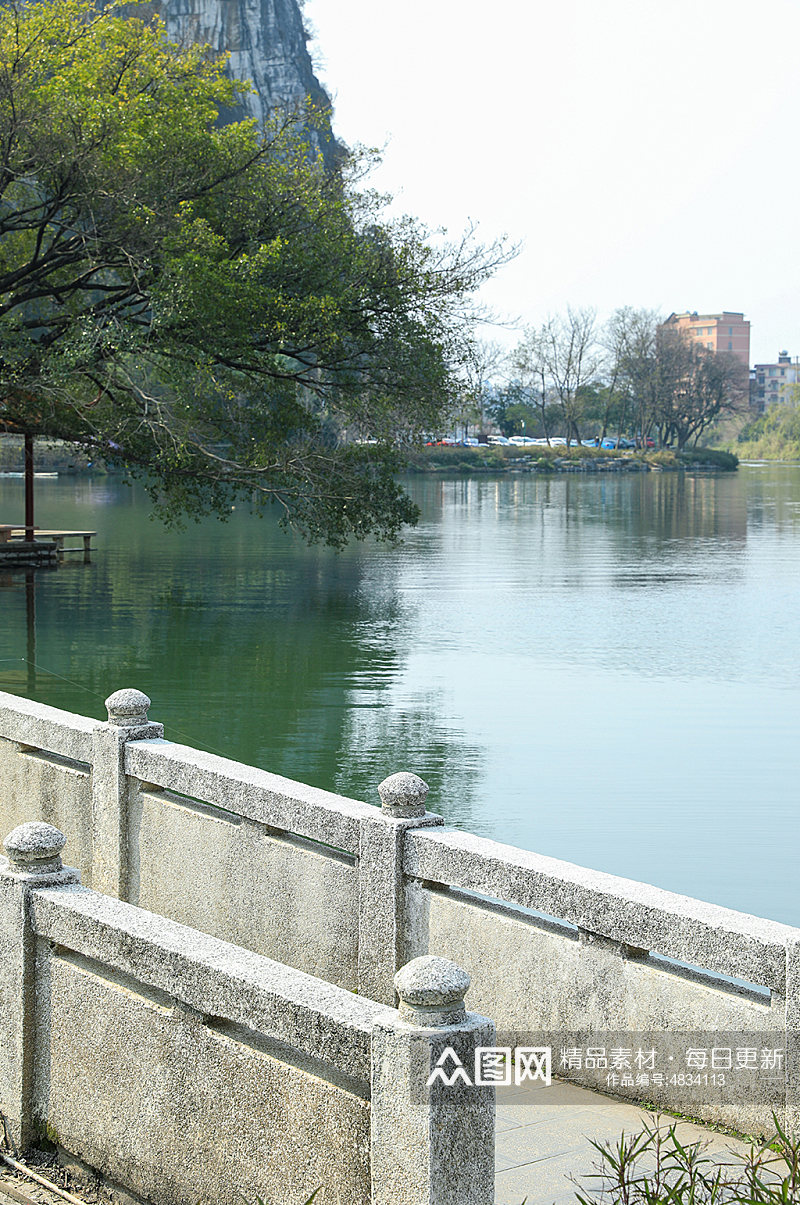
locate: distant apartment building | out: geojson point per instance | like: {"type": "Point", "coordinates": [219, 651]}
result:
{"type": "Point", "coordinates": [728, 332]}
{"type": "Point", "coordinates": [776, 382]}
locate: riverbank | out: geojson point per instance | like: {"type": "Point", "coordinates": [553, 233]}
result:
{"type": "Point", "coordinates": [54, 456]}
{"type": "Point", "coordinates": [51, 456]}
{"type": "Point", "coordinates": [542, 459]}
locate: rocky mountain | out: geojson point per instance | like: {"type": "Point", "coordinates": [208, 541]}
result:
{"type": "Point", "coordinates": [266, 41]}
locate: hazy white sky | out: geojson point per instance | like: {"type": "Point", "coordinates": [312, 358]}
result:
{"type": "Point", "coordinates": [645, 153]}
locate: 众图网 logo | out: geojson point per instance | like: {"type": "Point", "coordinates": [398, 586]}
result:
{"type": "Point", "coordinates": [497, 1066]}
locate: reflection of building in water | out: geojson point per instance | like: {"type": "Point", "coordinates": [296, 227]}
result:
{"type": "Point", "coordinates": [727, 332]}
{"type": "Point", "coordinates": [775, 382]}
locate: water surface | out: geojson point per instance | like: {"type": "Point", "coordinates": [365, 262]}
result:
{"type": "Point", "coordinates": [601, 668]}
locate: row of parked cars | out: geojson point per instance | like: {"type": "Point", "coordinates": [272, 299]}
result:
{"type": "Point", "coordinates": [556, 441]}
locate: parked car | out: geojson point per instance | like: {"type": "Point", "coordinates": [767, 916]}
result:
{"type": "Point", "coordinates": [499, 440]}
{"type": "Point", "coordinates": [609, 442]}
{"type": "Point", "coordinates": [627, 443]}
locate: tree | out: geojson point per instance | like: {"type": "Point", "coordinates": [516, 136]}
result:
{"type": "Point", "coordinates": [668, 382]}
{"type": "Point", "coordinates": [532, 386]}
{"type": "Point", "coordinates": [697, 386]}
{"type": "Point", "coordinates": [483, 364]}
{"type": "Point", "coordinates": [632, 344]}
{"type": "Point", "coordinates": [200, 302]}
{"type": "Point", "coordinates": [556, 362]}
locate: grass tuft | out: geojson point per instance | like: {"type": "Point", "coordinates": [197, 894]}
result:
{"type": "Point", "coordinates": [653, 1167]}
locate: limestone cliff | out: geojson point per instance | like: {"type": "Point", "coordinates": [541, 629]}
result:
{"type": "Point", "coordinates": [265, 39]}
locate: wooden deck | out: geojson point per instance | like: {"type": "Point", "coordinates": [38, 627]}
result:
{"type": "Point", "coordinates": [12, 534]}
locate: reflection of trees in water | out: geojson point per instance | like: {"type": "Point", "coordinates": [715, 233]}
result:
{"type": "Point", "coordinates": [381, 739]}
{"type": "Point", "coordinates": [261, 651]}
{"type": "Point", "coordinates": [18, 657]}
{"type": "Point", "coordinates": [247, 664]}
{"type": "Point", "coordinates": [773, 496]}
{"type": "Point", "coordinates": [661, 508]}
{"type": "Point", "coordinates": [657, 506]}
{"type": "Point", "coordinates": [286, 656]}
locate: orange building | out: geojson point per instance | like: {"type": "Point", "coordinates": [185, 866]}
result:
{"type": "Point", "coordinates": [728, 331]}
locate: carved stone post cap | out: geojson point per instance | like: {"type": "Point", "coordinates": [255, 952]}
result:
{"type": "Point", "coordinates": [127, 708]}
{"type": "Point", "coordinates": [432, 991]}
{"type": "Point", "coordinates": [403, 795]}
{"type": "Point", "coordinates": [35, 848]}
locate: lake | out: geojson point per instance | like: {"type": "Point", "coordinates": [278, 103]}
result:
{"type": "Point", "coordinates": [603, 668]}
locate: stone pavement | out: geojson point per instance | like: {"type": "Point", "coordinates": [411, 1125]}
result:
{"type": "Point", "coordinates": [543, 1138]}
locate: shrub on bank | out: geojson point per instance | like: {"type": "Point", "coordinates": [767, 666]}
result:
{"type": "Point", "coordinates": [654, 1167]}
{"type": "Point", "coordinates": [712, 456]}
{"type": "Point", "coordinates": [540, 456]}
{"type": "Point", "coordinates": [455, 459]}
{"type": "Point", "coordinates": [494, 458]}
{"type": "Point", "coordinates": [770, 446]}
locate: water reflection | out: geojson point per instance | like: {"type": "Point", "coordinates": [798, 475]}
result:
{"type": "Point", "coordinates": [600, 668]}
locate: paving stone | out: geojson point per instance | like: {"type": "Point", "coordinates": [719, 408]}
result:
{"type": "Point", "coordinates": [542, 1140]}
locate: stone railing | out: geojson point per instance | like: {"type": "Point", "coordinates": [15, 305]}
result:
{"type": "Point", "coordinates": [185, 1069]}
{"type": "Point", "coordinates": [350, 892]}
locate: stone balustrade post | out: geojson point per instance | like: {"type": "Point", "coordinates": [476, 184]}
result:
{"type": "Point", "coordinates": [432, 1128]}
{"type": "Point", "coordinates": [791, 1004]}
{"type": "Point", "coordinates": [127, 721]}
{"type": "Point", "coordinates": [33, 860]}
{"type": "Point", "coordinates": [381, 948]}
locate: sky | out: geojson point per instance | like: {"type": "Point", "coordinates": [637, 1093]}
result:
{"type": "Point", "coordinates": [642, 153]}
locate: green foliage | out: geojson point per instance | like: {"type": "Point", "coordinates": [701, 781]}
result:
{"type": "Point", "coordinates": [716, 457]}
{"type": "Point", "coordinates": [455, 459]}
{"type": "Point", "coordinates": [774, 435]}
{"type": "Point", "coordinates": [664, 458]}
{"type": "Point", "coordinates": [654, 1167]}
{"type": "Point", "coordinates": [200, 302]}
{"type": "Point", "coordinates": [511, 410]}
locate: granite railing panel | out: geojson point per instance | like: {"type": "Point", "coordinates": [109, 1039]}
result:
{"type": "Point", "coordinates": [46, 728]}
{"type": "Point", "coordinates": [51, 787]}
{"type": "Point", "coordinates": [187, 1070]}
{"type": "Point", "coordinates": [548, 985]}
{"type": "Point", "coordinates": [639, 916]}
{"type": "Point", "coordinates": [281, 855]}
{"type": "Point", "coordinates": [45, 763]}
{"type": "Point", "coordinates": [610, 952]}
{"type": "Point", "coordinates": [249, 793]}
{"type": "Point", "coordinates": [347, 891]}
{"type": "Point", "coordinates": [281, 896]}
